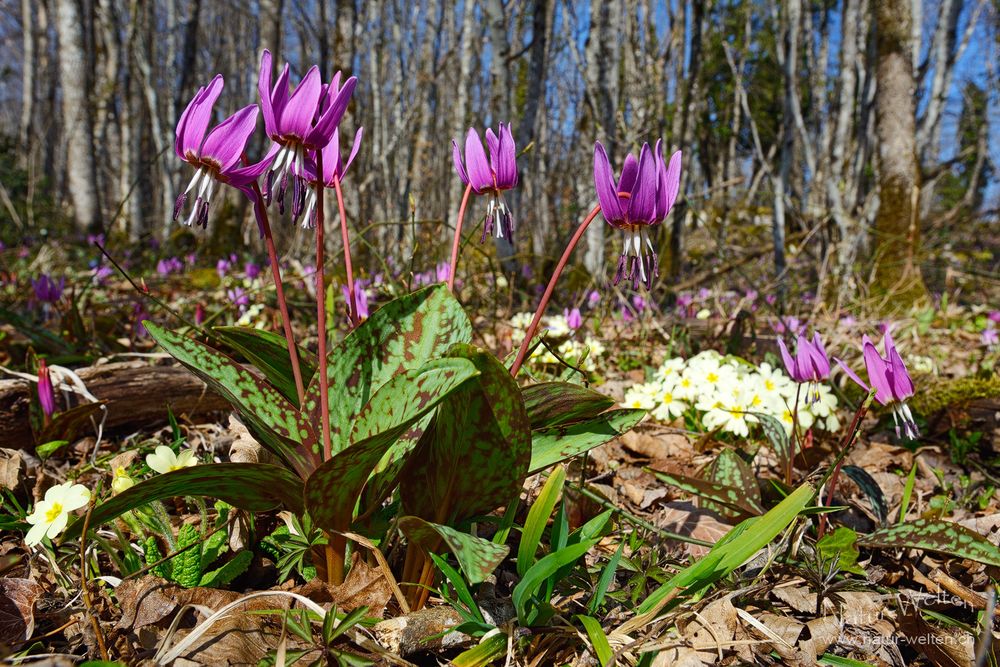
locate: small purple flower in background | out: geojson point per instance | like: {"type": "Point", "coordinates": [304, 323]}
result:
{"type": "Point", "coordinates": [334, 169]}
{"type": "Point", "coordinates": [527, 272]}
{"type": "Point", "coordinates": [48, 290]}
{"type": "Point", "coordinates": [239, 298]}
{"type": "Point", "coordinates": [215, 157]}
{"type": "Point", "coordinates": [23, 252]}
{"type": "Point", "coordinates": [994, 316]}
{"type": "Point", "coordinates": [167, 266]}
{"type": "Point", "coordinates": [573, 318]}
{"type": "Point", "coordinates": [360, 298]}
{"type": "Point", "coordinates": [299, 122]}
{"type": "Point", "coordinates": [251, 270]}
{"type": "Point", "coordinates": [891, 381]}
{"type": "Point", "coordinates": [490, 176]}
{"type": "Point", "coordinates": [848, 321]}
{"type": "Point", "coordinates": [751, 295]}
{"type": "Point", "coordinates": [791, 325]}
{"type": "Point", "coordinates": [191, 258]}
{"type": "Point", "coordinates": [199, 314]}
{"type": "Point", "coordinates": [990, 338]}
{"type": "Point", "coordinates": [95, 239]}
{"type": "Point", "coordinates": [442, 272]}
{"type": "Point", "coordinates": [810, 364]}
{"type": "Point", "coordinates": [704, 294]}
{"type": "Point", "coordinates": [771, 299]}
{"type": "Point", "coordinates": [642, 197]}
{"type": "Point", "coordinates": [639, 303]}
{"type": "Point", "coordinates": [102, 273]}
{"type": "Point", "coordinates": [46, 394]}
{"type": "Point", "coordinates": [138, 315]}
{"type": "Point", "coordinates": [593, 299]}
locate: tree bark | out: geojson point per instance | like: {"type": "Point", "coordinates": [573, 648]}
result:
{"type": "Point", "coordinates": [28, 68]}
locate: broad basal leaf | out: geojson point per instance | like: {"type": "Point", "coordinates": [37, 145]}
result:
{"type": "Point", "coordinates": [401, 335]}
{"type": "Point", "coordinates": [552, 445]}
{"type": "Point", "coordinates": [475, 452]}
{"type": "Point", "coordinates": [255, 487]}
{"type": "Point", "coordinates": [477, 557]}
{"type": "Point", "coordinates": [270, 418]}
{"type": "Point", "coordinates": [730, 470]}
{"type": "Point", "coordinates": [934, 535]}
{"type": "Point", "coordinates": [870, 488]}
{"type": "Point", "coordinates": [557, 403]}
{"type": "Point", "coordinates": [268, 352]}
{"type": "Point", "coordinates": [332, 491]}
{"type": "Point", "coordinates": [729, 496]}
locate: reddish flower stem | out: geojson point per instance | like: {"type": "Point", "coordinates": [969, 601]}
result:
{"type": "Point", "coordinates": [324, 387]}
{"type": "Point", "coordinates": [286, 322]}
{"type": "Point", "coordinates": [458, 238]}
{"type": "Point", "coordinates": [530, 333]}
{"type": "Point", "coordinates": [352, 301]}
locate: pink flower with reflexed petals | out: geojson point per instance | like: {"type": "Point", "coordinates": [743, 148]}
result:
{"type": "Point", "coordinates": [215, 157]}
{"type": "Point", "coordinates": [643, 195]}
{"type": "Point", "coordinates": [810, 364]}
{"type": "Point", "coordinates": [334, 169]}
{"type": "Point", "coordinates": [490, 175]}
{"type": "Point", "coordinates": [891, 381]}
{"type": "Point", "coordinates": [298, 122]}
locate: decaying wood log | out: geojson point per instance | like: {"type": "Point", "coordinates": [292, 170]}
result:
{"type": "Point", "coordinates": [137, 394]}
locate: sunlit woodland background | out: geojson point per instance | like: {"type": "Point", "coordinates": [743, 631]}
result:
{"type": "Point", "coordinates": [848, 147]}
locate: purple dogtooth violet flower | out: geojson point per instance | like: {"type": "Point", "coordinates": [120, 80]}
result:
{"type": "Point", "coordinates": [642, 197]}
{"type": "Point", "coordinates": [216, 157]}
{"type": "Point", "coordinates": [490, 176]}
{"type": "Point", "coordinates": [891, 381]}
{"type": "Point", "coordinates": [46, 394]}
{"type": "Point", "coordinates": [47, 289]}
{"type": "Point", "coordinates": [334, 169]}
{"type": "Point", "coordinates": [297, 123]}
{"type": "Point", "coordinates": [810, 365]}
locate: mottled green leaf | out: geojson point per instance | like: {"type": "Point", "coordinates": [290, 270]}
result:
{"type": "Point", "coordinates": [255, 487]}
{"type": "Point", "coordinates": [720, 493]}
{"type": "Point", "coordinates": [225, 574]}
{"type": "Point", "coordinates": [733, 550]}
{"type": "Point", "coordinates": [332, 491]}
{"type": "Point", "coordinates": [475, 452]}
{"type": "Point", "coordinates": [729, 469]}
{"type": "Point", "coordinates": [775, 432]}
{"type": "Point", "coordinates": [401, 335]}
{"type": "Point", "coordinates": [477, 557]}
{"type": "Point", "coordinates": [268, 352]}
{"type": "Point", "coordinates": [934, 535]}
{"type": "Point", "coordinates": [552, 445]}
{"type": "Point", "coordinates": [151, 552]}
{"type": "Point", "coordinates": [557, 403]}
{"type": "Point", "coordinates": [275, 422]}
{"type": "Point", "coordinates": [187, 563]}
{"type": "Point", "coordinates": [871, 489]}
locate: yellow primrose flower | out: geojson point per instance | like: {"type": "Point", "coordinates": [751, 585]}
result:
{"type": "Point", "coordinates": [51, 514]}
{"type": "Point", "coordinates": [163, 459]}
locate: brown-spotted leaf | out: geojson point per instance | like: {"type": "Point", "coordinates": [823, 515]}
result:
{"type": "Point", "coordinates": [401, 335]}
{"type": "Point", "coordinates": [331, 492]}
{"type": "Point", "coordinates": [557, 403]}
{"type": "Point", "coordinates": [270, 418]}
{"type": "Point", "coordinates": [477, 557]}
{"type": "Point", "coordinates": [268, 352]}
{"type": "Point", "coordinates": [721, 494]}
{"type": "Point", "coordinates": [729, 469]}
{"type": "Point", "coordinates": [475, 451]}
{"type": "Point", "coordinates": [934, 535]}
{"type": "Point", "coordinates": [558, 443]}
{"type": "Point", "coordinates": [255, 487]}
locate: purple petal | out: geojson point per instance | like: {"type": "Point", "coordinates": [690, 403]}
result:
{"type": "Point", "coordinates": [790, 366]}
{"type": "Point", "coordinates": [505, 164]}
{"type": "Point", "coordinates": [661, 191]}
{"type": "Point", "coordinates": [803, 359]}
{"type": "Point", "coordinates": [264, 90]}
{"type": "Point", "coordinates": [821, 362]}
{"type": "Point", "coordinates": [902, 385]}
{"type": "Point", "coordinates": [642, 204]}
{"type": "Point", "coordinates": [354, 150]}
{"type": "Point", "coordinates": [493, 146]}
{"type": "Point", "coordinates": [321, 134]}
{"type": "Point", "coordinates": [297, 116]}
{"type": "Point", "coordinates": [279, 95]}
{"type": "Point", "coordinates": [475, 159]}
{"type": "Point", "coordinates": [228, 140]}
{"type": "Point", "coordinates": [456, 155]}
{"type": "Point", "coordinates": [878, 372]}
{"type": "Point", "coordinates": [672, 181]}
{"type": "Point", "coordinates": [851, 374]}
{"type": "Point", "coordinates": [630, 170]}
{"type": "Point", "coordinates": [604, 183]}
{"type": "Point", "coordinates": [195, 119]}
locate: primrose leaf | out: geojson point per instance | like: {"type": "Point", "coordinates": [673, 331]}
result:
{"type": "Point", "coordinates": [401, 335]}
{"type": "Point", "coordinates": [332, 491]}
{"type": "Point", "coordinates": [268, 352]}
{"type": "Point", "coordinates": [474, 453]}
{"type": "Point", "coordinates": [558, 443]}
{"type": "Point", "coordinates": [274, 421]}
{"type": "Point", "coordinates": [225, 574]}
{"type": "Point", "coordinates": [187, 564]}
{"type": "Point", "coordinates": [934, 535]}
{"type": "Point", "coordinates": [476, 556]}
{"type": "Point", "coordinates": [255, 487]}
{"type": "Point", "coordinates": [557, 403]}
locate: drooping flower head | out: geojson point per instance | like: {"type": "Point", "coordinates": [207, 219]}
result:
{"type": "Point", "coordinates": [810, 364]}
{"type": "Point", "coordinates": [47, 289]}
{"type": "Point", "coordinates": [334, 169]}
{"type": "Point", "coordinates": [490, 175]}
{"type": "Point", "coordinates": [642, 196]}
{"type": "Point", "coordinates": [891, 381]}
{"type": "Point", "coordinates": [216, 157]}
{"type": "Point", "coordinates": [46, 394]}
{"type": "Point", "coordinates": [298, 122]}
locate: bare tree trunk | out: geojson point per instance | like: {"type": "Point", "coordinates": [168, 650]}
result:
{"type": "Point", "coordinates": [28, 68]}
{"type": "Point", "coordinates": [75, 83]}
{"type": "Point", "coordinates": [500, 99]}
{"type": "Point", "coordinates": [897, 223]}
{"type": "Point", "coordinates": [189, 54]}
{"type": "Point", "coordinates": [788, 59]}
{"type": "Point", "coordinates": [460, 104]}
{"type": "Point", "coordinates": [270, 27]}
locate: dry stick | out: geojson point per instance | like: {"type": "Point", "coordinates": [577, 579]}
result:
{"type": "Point", "coordinates": [286, 322]}
{"type": "Point", "coordinates": [533, 327]}
{"type": "Point", "coordinates": [458, 238]}
{"type": "Point", "coordinates": [83, 578]}
{"type": "Point", "coordinates": [351, 298]}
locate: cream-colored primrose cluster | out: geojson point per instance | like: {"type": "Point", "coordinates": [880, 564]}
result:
{"type": "Point", "coordinates": [723, 393]}
{"type": "Point", "coordinates": [568, 345]}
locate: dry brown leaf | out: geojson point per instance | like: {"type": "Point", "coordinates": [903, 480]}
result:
{"type": "Point", "coordinates": [245, 448]}
{"type": "Point", "coordinates": [364, 586]}
{"type": "Point", "coordinates": [657, 445]}
{"type": "Point", "coordinates": [880, 457]}
{"type": "Point", "coordinates": [17, 602]}
{"type": "Point", "coordinates": [712, 628]}
{"type": "Point", "coordinates": [11, 462]}
{"type": "Point", "coordinates": [987, 526]}
{"type": "Point", "coordinates": [684, 518]}
{"type": "Point", "coordinates": [682, 656]}
{"type": "Point", "coordinates": [799, 598]}
{"type": "Point", "coordinates": [823, 632]}
{"type": "Point", "coordinates": [941, 647]}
